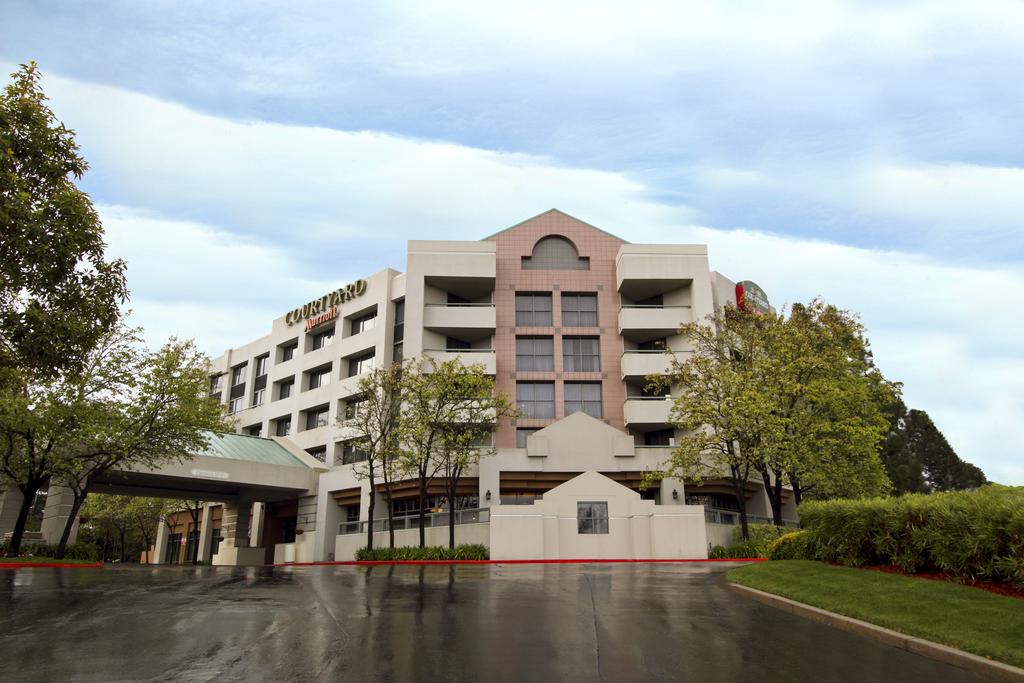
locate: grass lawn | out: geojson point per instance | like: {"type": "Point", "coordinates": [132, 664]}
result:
{"type": "Point", "coordinates": [49, 560]}
{"type": "Point", "coordinates": [966, 618]}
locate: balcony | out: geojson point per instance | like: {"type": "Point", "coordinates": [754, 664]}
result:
{"type": "Point", "coordinates": [463, 516]}
{"type": "Point", "coordinates": [638, 364]}
{"type": "Point", "coordinates": [485, 357]}
{"type": "Point", "coordinates": [642, 323]}
{"type": "Point", "coordinates": [464, 321]}
{"type": "Point", "coordinates": [644, 411]}
{"type": "Point", "coordinates": [643, 270]}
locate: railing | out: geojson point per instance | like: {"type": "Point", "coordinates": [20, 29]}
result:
{"type": "Point", "coordinates": [655, 306]}
{"type": "Point", "coordinates": [732, 517]}
{"type": "Point", "coordinates": [460, 305]}
{"type": "Point", "coordinates": [464, 516]}
{"type": "Point", "coordinates": [460, 350]}
{"type": "Point", "coordinates": [649, 398]}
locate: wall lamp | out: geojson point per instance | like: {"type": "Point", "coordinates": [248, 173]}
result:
{"type": "Point", "coordinates": [675, 494]}
{"type": "Point", "coordinates": [488, 494]}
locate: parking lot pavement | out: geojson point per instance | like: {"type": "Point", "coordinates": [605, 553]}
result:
{"type": "Point", "coordinates": [662, 622]}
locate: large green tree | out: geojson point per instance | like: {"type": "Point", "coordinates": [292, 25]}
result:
{"type": "Point", "coordinates": [375, 422]}
{"type": "Point", "coordinates": [133, 409]}
{"type": "Point", "coordinates": [920, 459]}
{"type": "Point", "coordinates": [447, 408]}
{"type": "Point", "coordinates": [58, 292]}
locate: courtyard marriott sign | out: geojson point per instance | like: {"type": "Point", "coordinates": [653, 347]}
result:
{"type": "Point", "coordinates": [325, 308]}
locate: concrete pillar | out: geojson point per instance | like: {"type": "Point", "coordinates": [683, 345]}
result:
{"type": "Point", "coordinates": [206, 533]}
{"type": "Point", "coordinates": [59, 501]}
{"type": "Point", "coordinates": [160, 544]}
{"type": "Point", "coordinates": [10, 505]}
{"type": "Point", "coordinates": [667, 486]}
{"type": "Point", "coordinates": [258, 523]}
{"type": "Point", "coordinates": [235, 523]}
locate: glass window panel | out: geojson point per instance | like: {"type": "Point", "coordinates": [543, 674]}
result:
{"type": "Point", "coordinates": [536, 399]}
{"type": "Point", "coordinates": [592, 517]}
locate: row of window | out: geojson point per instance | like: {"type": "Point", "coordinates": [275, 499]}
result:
{"type": "Point", "coordinates": [536, 400]}
{"type": "Point", "coordinates": [533, 309]}
{"type": "Point", "coordinates": [579, 354]}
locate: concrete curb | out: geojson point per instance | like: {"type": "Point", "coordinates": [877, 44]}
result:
{"type": "Point", "coordinates": [373, 563]}
{"type": "Point", "coordinates": [942, 653]}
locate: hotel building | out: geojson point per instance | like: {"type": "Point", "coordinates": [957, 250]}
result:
{"type": "Point", "coordinates": [569, 320]}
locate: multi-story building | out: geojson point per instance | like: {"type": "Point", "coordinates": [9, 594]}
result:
{"type": "Point", "coordinates": [570, 320]}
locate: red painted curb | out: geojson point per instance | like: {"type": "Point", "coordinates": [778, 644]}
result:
{"type": "Point", "coordinates": [20, 565]}
{"type": "Point", "coordinates": [371, 563]}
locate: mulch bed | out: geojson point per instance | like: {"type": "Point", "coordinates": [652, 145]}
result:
{"type": "Point", "coordinates": [997, 587]}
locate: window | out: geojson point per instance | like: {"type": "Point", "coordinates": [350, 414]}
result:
{"type": "Point", "coordinates": [363, 323]}
{"type": "Point", "coordinates": [214, 541]}
{"type": "Point", "coordinates": [360, 364]}
{"type": "Point", "coordinates": [216, 385]}
{"type": "Point", "coordinates": [533, 310]}
{"type": "Point", "coordinates": [254, 430]}
{"type": "Point", "coordinates": [585, 396]}
{"type": "Point", "coordinates": [235, 404]}
{"type": "Point", "coordinates": [351, 453]}
{"type": "Point", "coordinates": [536, 399]}
{"type": "Point", "coordinates": [316, 417]}
{"type": "Point", "coordinates": [238, 374]}
{"type": "Point", "coordinates": [453, 344]}
{"type": "Point", "coordinates": [579, 310]}
{"type": "Point", "coordinates": [261, 366]}
{"type": "Point", "coordinates": [522, 435]}
{"type": "Point", "coordinates": [555, 253]}
{"type": "Point", "coordinates": [257, 397]}
{"type": "Point", "coordinates": [285, 388]}
{"type": "Point", "coordinates": [581, 354]}
{"type": "Point", "coordinates": [322, 339]}
{"type": "Point", "coordinates": [319, 377]}
{"type": "Point", "coordinates": [288, 350]}
{"type": "Point", "coordinates": [283, 426]}
{"type": "Point", "coordinates": [396, 354]}
{"type": "Point", "coordinates": [535, 354]}
{"type": "Point", "coordinates": [318, 452]}
{"type": "Point", "coordinates": [592, 518]}
{"type": "Point", "coordinates": [236, 395]}
{"type": "Point", "coordinates": [352, 407]}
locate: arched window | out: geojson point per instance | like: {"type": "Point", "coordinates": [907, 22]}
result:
{"type": "Point", "coordinates": [555, 253]}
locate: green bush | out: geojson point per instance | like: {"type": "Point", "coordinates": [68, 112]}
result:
{"type": "Point", "coordinates": [459, 552]}
{"type": "Point", "coordinates": [975, 534]}
{"type": "Point", "coordinates": [75, 551]}
{"type": "Point", "coordinates": [796, 545]}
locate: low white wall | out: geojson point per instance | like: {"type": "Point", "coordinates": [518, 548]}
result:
{"type": "Point", "coordinates": [720, 534]}
{"type": "Point", "coordinates": [299, 551]}
{"type": "Point", "coordinates": [346, 545]}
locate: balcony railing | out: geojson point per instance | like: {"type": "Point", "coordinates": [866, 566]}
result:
{"type": "Point", "coordinates": [465, 516]}
{"type": "Point", "coordinates": [732, 518]}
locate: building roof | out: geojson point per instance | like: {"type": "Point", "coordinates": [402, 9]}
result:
{"type": "Point", "coordinates": [561, 213]}
{"type": "Point", "coordinates": [250, 448]}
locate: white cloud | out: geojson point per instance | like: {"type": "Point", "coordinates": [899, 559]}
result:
{"type": "Point", "coordinates": [288, 211]}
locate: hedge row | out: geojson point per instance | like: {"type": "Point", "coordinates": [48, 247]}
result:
{"type": "Point", "coordinates": [761, 537]}
{"type": "Point", "coordinates": [459, 552]}
{"type": "Point", "coordinates": [75, 551]}
{"type": "Point", "coordinates": [968, 534]}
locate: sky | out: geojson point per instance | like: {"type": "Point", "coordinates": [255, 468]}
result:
{"type": "Point", "coordinates": [246, 156]}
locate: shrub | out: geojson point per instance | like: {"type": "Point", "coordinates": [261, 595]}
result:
{"type": "Point", "coordinates": [75, 551]}
{"type": "Point", "coordinates": [975, 534]}
{"type": "Point", "coordinates": [459, 552]}
{"type": "Point", "coordinates": [796, 545]}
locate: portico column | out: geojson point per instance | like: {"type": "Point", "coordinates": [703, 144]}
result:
{"type": "Point", "coordinates": [160, 544]}
{"type": "Point", "coordinates": [235, 523]}
{"type": "Point", "coordinates": [205, 533]}
{"type": "Point", "coordinates": [10, 506]}
{"type": "Point", "coordinates": [59, 501]}
{"type": "Point", "coordinates": [259, 511]}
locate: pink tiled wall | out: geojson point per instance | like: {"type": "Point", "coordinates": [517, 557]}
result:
{"type": "Point", "coordinates": [601, 248]}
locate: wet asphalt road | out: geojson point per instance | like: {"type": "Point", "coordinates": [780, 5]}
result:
{"type": "Point", "coordinates": [412, 623]}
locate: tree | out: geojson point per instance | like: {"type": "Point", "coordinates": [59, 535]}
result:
{"type": "Point", "coordinates": [718, 409]}
{"type": "Point", "coordinates": [833, 400]}
{"type": "Point", "coordinates": [920, 459]}
{"type": "Point", "coordinates": [58, 295]}
{"type": "Point", "coordinates": [445, 405]}
{"type": "Point", "coordinates": [375, 418]}
{"type": "Point", "coordinates": [134, 409]}
{"type": "Point", "coordinates": [146, 514]}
